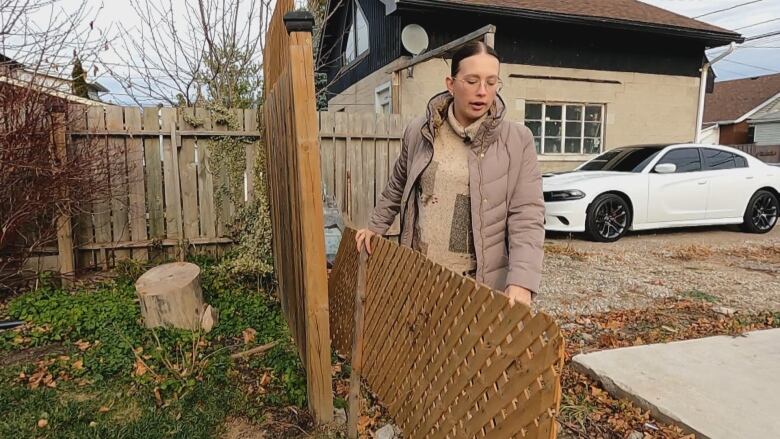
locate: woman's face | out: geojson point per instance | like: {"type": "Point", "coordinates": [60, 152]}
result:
{"type": "Point", "coordinates": [474, 87]}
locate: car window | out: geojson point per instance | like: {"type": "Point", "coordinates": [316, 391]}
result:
{"type": "Point", "coordinates": [717, 159]}
{"type": "Point", "coordinates": [741, 161]}
{"type": "Point", "coordinates": [633, 159]}
{"type": "Point", "coordinates": [686, 159]}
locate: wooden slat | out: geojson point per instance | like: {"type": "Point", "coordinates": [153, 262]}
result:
{"type": "Point", "coordinates": [220, 184]}
{"type": "Point", "coordinates": [354, 173]}
{"type": "Point", "coordinates": [84, 231]}
{"type": "Point", "coordinates": [154, 182]}
{"type": "Point", "coordinates": [173, 226]}
{"type": "Point", "coordinates": [340, 175]}
{"type": "Point", "coordinates": [101, 209]}
{"type": "Point", "coordinates": [117, 154]}
{"type": "Point", "coordinates": [136, 184]}
{"type": "Point", "coordinates": [369, 171]}
{"type": "Point", "coordinates": [65, 252]}
{"type": "Point", "coordinates": [382, 157]}
{"type": "Point", "coordinates": [206, 206]}
{"type": "Point", "coordinates": [250, 125]}
{"type": "Point", "coordinates": [327, 153]}
{"type": "Point", "coordinates": [188, 177]}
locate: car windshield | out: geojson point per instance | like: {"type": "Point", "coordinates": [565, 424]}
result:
{"type": "Point", "coordinates": [629, 159]}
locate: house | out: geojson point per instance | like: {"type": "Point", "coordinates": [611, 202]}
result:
{"type": "Point", "coordinates": [729, 108]}
{"type": "Point", "coordinates": [585, 76]}
{"type": "Point", "coordinates": [12, 69]}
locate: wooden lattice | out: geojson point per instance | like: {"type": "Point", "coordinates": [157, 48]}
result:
{"type": "Point", "coordinates": [447, 356]}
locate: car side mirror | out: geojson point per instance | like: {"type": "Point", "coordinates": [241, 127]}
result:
{"type": "Point", "coordinates": [666, 168]}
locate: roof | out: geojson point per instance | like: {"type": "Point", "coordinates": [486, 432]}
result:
{"type": "Point", "coordinates": [52, 92]}
{"type": "Point", "coordinates": [733, 101]}
{"type": "Point", "coordinates": [769, 117]}
{"type": "Point", "coordinates": [606, 12]}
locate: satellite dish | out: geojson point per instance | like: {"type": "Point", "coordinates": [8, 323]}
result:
{"type": "Point", "coordinates": [414, 39]}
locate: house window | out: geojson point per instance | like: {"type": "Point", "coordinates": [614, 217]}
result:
{"type": "Point", "coordinates": [357, 39]}
{"type": "Point", "coordinates": [565, 128]}
{"type": "Point", "coordinates": [382, 99]}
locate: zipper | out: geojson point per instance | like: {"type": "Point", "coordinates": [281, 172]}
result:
{"type": "Point", "coordinates": [482, 200]}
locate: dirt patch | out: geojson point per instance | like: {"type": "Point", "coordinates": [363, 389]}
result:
{"type": "Point", "coordinates": [30, 355]}
{"type": "Point", "coordinates": [236, 428]}
{"type": "Point", "coordinates": [735, 269]}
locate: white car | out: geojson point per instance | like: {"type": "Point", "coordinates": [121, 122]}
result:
{"type": "Point", "coordinates": [659, 186]}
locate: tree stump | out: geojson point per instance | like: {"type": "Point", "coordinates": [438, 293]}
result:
{"type": "Point", "coordinates": [170, 295]}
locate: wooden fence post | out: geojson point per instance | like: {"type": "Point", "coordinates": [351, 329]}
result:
{"type": "Point", "coordinates": [299, 25]}
{"type": "Point", "coordinates": [64, 232]}
{"type": "Point", "coordinates": [357, 347]}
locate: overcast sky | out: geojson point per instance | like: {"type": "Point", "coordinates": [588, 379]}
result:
{"type": "Point", "coordinates": [754, 58]}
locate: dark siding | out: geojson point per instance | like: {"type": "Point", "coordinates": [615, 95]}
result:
{"type": "Point", "coordinates": [524, 41]}
{"type": "Point", "coordinates": [384, 47]}
{"type": "Point", "coordinates": [520, 41]}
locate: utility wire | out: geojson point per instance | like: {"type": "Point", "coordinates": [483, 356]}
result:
{"type": "Point", "coordinates": [728, 9]}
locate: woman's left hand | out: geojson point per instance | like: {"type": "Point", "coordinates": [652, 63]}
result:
{"type": "Point", "coordinates": [518, 294]}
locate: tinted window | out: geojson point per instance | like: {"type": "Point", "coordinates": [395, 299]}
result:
{"type": "Point", "coordinates": [623, 160]}
{"type": "Point", "coordinates": [686, 159]}
{"type": "Point", "coordinates": [741, 161]}
{"type": "Point", "coordinates": [717, 159]}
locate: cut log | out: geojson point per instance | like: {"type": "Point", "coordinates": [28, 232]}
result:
{"type": "Point", "coordinates": [170, 295]}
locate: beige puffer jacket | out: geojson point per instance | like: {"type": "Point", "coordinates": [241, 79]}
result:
{"type": "Point", "coordinates": [507, 206]}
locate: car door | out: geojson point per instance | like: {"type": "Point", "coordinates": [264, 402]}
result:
{"type": "Point", "coordinates": [730, 183]}
{"type": "Point", "coordinates": [681, 196]}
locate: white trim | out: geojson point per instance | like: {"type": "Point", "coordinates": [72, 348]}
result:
{"type": "Point", "coordinates": [566, 157]}
{"type": "Point", "coordinates": [387, 86]}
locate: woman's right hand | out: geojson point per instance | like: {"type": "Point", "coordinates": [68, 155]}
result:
{"type": "Point", "coordinates": [364, 236]}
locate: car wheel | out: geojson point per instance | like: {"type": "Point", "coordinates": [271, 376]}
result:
{"type": "Point", "coordinates": [608, 218]}
{"type": "Point", "coordinates": [761, 213]}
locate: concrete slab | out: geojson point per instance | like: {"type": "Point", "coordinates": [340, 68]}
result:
{"type": "Point", "coordinates": [717, 387]}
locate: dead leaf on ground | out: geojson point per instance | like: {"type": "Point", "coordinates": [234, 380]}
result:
{"type": "Point", "coordinates": [103, 409]}
{"type": "Point", "coordinates": [140, 368]}
{"type": "Point", "coordinates": [249, 335]}
{"type": "Point", "coordinates": [78, 365]}
{"type": "Point", "coordinates": [82, 345]}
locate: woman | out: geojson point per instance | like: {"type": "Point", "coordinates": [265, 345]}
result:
{"type": "Point", "coordinates": [467, 183]}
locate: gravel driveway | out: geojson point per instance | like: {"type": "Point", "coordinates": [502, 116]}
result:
{"type": "Point", "coordinates": [717, 264]}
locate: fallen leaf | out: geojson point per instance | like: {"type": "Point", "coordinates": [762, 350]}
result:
{"type": "Point", "coordinates": [78, 365]}
{"type": "Point", "coordinates": [42, 423]}
{"type": "Point", "coordinates": [82, 345]}
{"type": "Point", "coordinates": [249, 335]}
{"type": "Point", "coordinates": [157, 396]}
{"type": "Point", "coordinates": [265, 379]}
{"type": "Point", "coordinates": [103, 409]}
{"type": "Point", "coordinates": [93, 424]}
{"type": "Point", "coordinates": [140, 368]}
{"type": "Point", "coordinates": [63, 358]}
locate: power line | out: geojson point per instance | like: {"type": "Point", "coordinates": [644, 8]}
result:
{"type": "Point", "coordinates": [751, 65]}
{"type": "Point", "coordinates": [729, 8]}
{"type": "Point", "coordinates": [766, 35]}
{"type": "Point", "coordinates": [756, 24]}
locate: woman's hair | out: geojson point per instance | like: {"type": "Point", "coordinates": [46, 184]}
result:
{"type": "Point", "coordinates": [471, 49]}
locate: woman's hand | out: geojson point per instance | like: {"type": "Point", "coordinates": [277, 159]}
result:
{"type": "Point", "coordinates": [364, 236]}
{"type": "Point", "coordinates": [518, 294]}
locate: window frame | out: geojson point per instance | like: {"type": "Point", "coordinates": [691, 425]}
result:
{"type": "Point", "coordinates": [733, 155]}
{"type": "Point", "coordinates": [387, 86]}
{"type": "Point", "coordinates": [352, 32]}
{"type": "Point", "coordinates": [660, 159]}
{"type": "Point", "coordinates": [564, 121]}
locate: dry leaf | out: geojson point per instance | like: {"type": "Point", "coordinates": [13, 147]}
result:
{"type": "Point", "coordinates": [265, 379]}
{"type": "Point", "coordinates": [63, 358]}
{"type": "Point", "coordinates": [249, 335]}
{"type": "Point", "coordinates": [82, 345]}
{"type": "Point", "coordinates": [78, 365]}
{"type": "Point", "coordinates": [140, 368]}
{"type": "Point", "coordinates": [103, 409]}
{"type": "Point", "coordinates": [157, 396]}
{"type": "Point", "coordinates": [363, 423]}
{"type": "Point", "coordinates": [42, 423]}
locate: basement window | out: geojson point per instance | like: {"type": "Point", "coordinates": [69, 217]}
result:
{"type": "Point", "coordinates": [566, 128]}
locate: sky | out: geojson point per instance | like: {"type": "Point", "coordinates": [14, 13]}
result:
{"type": "Point", "coordinates": [754, 58]}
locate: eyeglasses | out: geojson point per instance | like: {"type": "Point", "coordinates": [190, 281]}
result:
{"type": "Point", "coordinates": [473, 83]}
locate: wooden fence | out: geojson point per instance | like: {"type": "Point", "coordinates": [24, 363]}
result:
{"type": "Point", "coordinates": [294, 187]}
{"type": "Point", "coordinates": [448, 357]}
{"type": "Point", "coordinates": [358, 151]}
{"type": "Point", "coordinates": [164, 188]}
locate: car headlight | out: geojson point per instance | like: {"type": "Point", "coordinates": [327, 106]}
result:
{"type": "Point", "coordinates": [567, 195]}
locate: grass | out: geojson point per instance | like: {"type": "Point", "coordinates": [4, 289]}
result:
{"type": "Point", "coordinates": [701, 296]}
{"type": "Point", "coordinates": [87, 368]}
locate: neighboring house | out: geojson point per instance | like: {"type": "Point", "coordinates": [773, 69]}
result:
{"type": "Point", "coordinates": [585, 76]}
{"type": "Point", "coordinates": [732, 104]}
{"type": "Point", "coordinates": [766, 128]}
{"type": "Point", "coordinates": [13, 69]}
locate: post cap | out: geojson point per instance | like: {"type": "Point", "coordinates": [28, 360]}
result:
{"type": "Point", "coordinates": [299, 21]}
